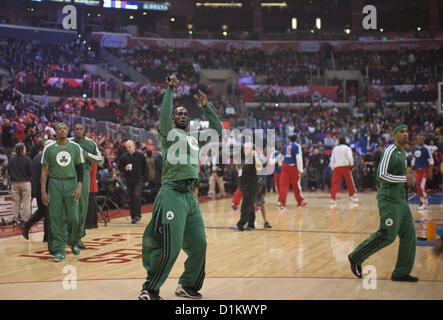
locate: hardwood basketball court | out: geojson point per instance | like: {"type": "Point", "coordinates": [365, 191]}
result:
{"type": "Point", "coordinates": [303, 256]}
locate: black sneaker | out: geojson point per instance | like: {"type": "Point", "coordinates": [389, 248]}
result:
{"type": "Point", "coordinates": [135, 220]}
{"type": "Point", "coordinates": [187, 292]}
{"type": "Point", "coordinates": [267, 225]}
{"type": "Point", "coordinates": [356, 269]}
{"type": "Point", "coordinates": [149, 295]}
{"type": "Point", "coordinates": [407, 278]}
{"type": "Point", "coordinates": [25, 231]}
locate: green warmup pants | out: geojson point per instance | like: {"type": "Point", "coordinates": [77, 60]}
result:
{"type": "Point", "coordinates": [395, 219]}
{"type": "Point", "coordinates": [63, 215]}
{"type": "Point", "coordinates": [176, 224]}
{"type": "Point", "coordinates": [83, 203]}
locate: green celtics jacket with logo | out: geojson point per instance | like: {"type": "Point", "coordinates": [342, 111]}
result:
{"type": "Point", "coordinates": [391, 173]}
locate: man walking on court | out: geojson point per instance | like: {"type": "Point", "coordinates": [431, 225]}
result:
{"type": "Point", "coordinates": [42, 210]}
{"type": "Point", "coordinates": [91, 153]}
{"type": "Point", "coordinates": [62, 162]}
{"type": "Point", "coordinates": [291, 171]}
{"type": "Point", "coordinates": [341, 163]}
{"type": "Point", "coordinates": [176, 221]}
{"type": "Point", "coordinates": [395, 214]}
{"type": "Point", "coordinates": [133, 165]}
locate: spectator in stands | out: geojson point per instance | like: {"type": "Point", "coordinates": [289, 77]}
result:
{"type": "Point", "coordinates": [44, 100]}
{"type": "Point", "coordinates": [357, 169]}
{"type": "Point", "coordinates": [431, 146]}
{"type": "Point", "coordinates": [340, 93]}
{"type": "Point", "coordinates": [4, 182]}
{"type": "Point", "coordinates": [114, 187]}
{"type": "Point", "coordinates": [3, 155]}
{"type": "Point", "coordinates": [150, 165]}
{"type": "Point", "coordinates": [370, 169]}
{"type": "Point", "coordinates": [20, 131]}
{"type": "Point", "coordinates": [216, 169]}
{"type": "Point", "coordinates": [7, 136]}
{"type": "Point", "coordinates": [20, 173]}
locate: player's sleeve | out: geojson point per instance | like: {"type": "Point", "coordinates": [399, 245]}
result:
{"type": "Point", "coordinates": [214, 124]}
{"type": "Point", "coordinates": [165, 124]}
{"type": "Point", "coordinates": [96, 156]}
{"type": "Point", "coordinates": [299, 158]}
{"type": "Point", "coordinates": [429, 157]}
{"type": "Point", "coordinates": [45, 156]}
{"type": "Point", "coordinates": [384, 165]}
{"type": "Point", "coordinates": [350, 157]}
{"type": "Point", "coordinates": [273, 158]}
{"type": "Point", "coordinates": [79, 159]}
{"type": "Point", "coordinates": [333, 159]}
{"type": "Point", "coordinates": [213, 119]}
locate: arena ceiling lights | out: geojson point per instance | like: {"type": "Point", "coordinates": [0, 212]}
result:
{"type": "Point", "coordinates": [219, 4]}
{"type": "Point", "coordinates": [238, 4]}
{"type": "Point", "coordinates": [274, 4]}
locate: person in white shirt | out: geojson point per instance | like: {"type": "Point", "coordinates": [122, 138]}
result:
{"type": "Point", "coordinates": [341, 163]}
{"type": "Point", "coordinates": [431, 146]}
{"type": "Point", "coordinates": [44, 100]}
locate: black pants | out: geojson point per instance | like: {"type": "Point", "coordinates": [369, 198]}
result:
{"type": "Point", "coordinates": [42, 212]}
{"type": "Point", "coordinates": [91, 216]}
{"type": "Point", "coordinates": [247, 210]}
{"type": "Point", "coordinates": [321, 178]}
{"type": "Point", "coordinates": [135, 189]}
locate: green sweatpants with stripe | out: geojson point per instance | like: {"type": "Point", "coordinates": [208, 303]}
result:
{"type": "Point", "coordinates": [395, 220]}
{"type": "Point", "coordinates": [176, 224]}
{"type": "Point", "coordinates": [83, 203]}
{"type": "Point", "coordinates": [63, 215]}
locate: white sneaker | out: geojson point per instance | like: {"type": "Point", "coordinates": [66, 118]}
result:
{"type": "Point", "coordinates": [353, 199]}
{"type": "Point", "coordinates": [333, 202]}
{"type": "Point", "coordinates": [421, 207]}
{"type": "Point", "coordinates": [187, 292]}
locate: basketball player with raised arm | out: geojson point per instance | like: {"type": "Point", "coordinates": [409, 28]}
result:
{"type": "Point", "coordinates": [176, 221]}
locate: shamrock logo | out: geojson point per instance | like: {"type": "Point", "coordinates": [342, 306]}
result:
{"type": "Point", "coordinates": [63, 158]}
